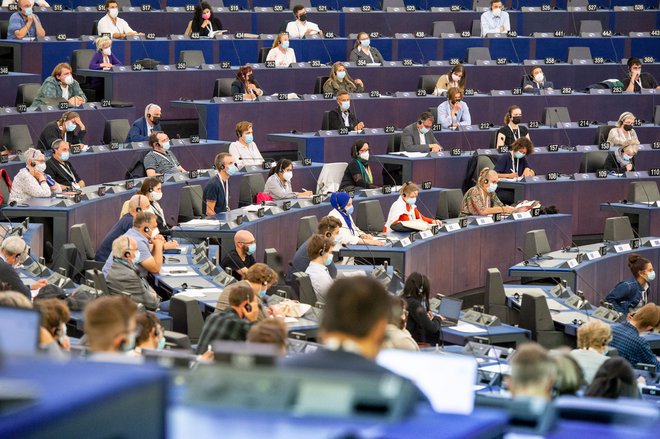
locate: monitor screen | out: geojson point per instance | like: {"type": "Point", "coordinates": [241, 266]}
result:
{"type": "Point", "coordinates": [19, 331]}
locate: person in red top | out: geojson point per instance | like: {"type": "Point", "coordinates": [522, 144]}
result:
{"type": "Point", "coordinates": [405, 209]}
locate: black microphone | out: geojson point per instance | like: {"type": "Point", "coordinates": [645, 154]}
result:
{"type": "Point", "coordinates": [527, 260]}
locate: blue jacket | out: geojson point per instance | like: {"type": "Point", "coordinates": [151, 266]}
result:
{"type": "Point", "coordinates": [505, 164]}
{"type": "Point", "coordinates": [138, 132]}
{"type": "Point", "coordinates": [625, 295]}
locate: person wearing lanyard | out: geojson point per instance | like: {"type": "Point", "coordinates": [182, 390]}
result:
{"type": "Point", "coordinates": [363, 51]}
{"type": "Point", "coordinates": [59, 167]}
{"type": "Point", "coordinates": [215, 198]}
{"type": "Point", "coordinates": [512, 130]}
{"type": "Point", "coordinates": [636, 80]}
{"type": "Point", "coordinates": [513, 164]}
{"type": "Point", "coordinates": [160, 160]}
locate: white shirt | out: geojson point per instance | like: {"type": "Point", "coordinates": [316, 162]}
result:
{"type": "Point", "coordinates": [321, 280]}
{"type": "Point", "coordinates": [399, 207]}
{"type": "Point", "coordinates": [490, 24]}
{"type": "Point", "coordinates": [106, 26]}
{"type": "Point", "coordinates": [297, 29]}
{"type": "Point", "coordinates": [25, 187]}
{"type": "Point", "coordinates": [65, 92]}
{"type": "Point", "coordinates": [281, 59]}
{"type": "Point", "coordinates": [245, 155]}
{"type": "Point", "coordinates": [345, 236]}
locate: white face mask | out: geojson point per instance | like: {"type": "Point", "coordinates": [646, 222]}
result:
{"type": "Point", "coordinates": [288, 175]}
{"type": "Point", "coordinates": [107, 51]}
{"type": "Point", "coordinates": [68, 79]}
{"type": "Point", "coordinates": [155, 232]}
{"type": "Point", "coordinates": [41, 167]}
{"type": "Point", "coordinates": [113, 12]}
{"type": "Point", "coordinates": [364, 155]}
{"type": "Point", "coordinates": [539, 77]}
{"type": "Point", "coordinates": [497, 12]}
{"type": "Point", "coordinates": [156, 196]}
{"type": "Point", "coordinates": [455, 77]}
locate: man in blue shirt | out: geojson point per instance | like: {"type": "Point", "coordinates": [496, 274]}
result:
{"type": "Point", "coordinates": [24, 23]}
{"type": "Point", "coordinates": [495, 21]}
{"type": "Point", "coordinates": [454, 112]}
{"type": "Point", "coordinates": [626, 338]}
{"type": "Point", "coordinates": [137, 204]}
{"type": "Point", "coordinates": [216, 193]}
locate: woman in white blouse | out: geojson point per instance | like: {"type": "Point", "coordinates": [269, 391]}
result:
{"type": "Point", "coordinates": [281, 53]}
{"type": "Point", "coordinates": [349, 233]}
{"type": "Point", "coordinates": [624, 131]}
{"type": "Point", "coordinates": [244, 150]}
{"type": "Point", "coordinates": [278, 184]}
{"type": "Point", "coordinates": [32, 181]}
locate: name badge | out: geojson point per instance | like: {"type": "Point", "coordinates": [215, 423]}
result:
{"type": "Point", "coordinates": [484, 220]}
{"type": "Point", "coordinates": [425, 234]}
{"type": "Point", "coordinates": [405, 242]}
{"type": "Point", "coordinates": [522, 215]}
{"type": "Point", "coordinates": [593, 255]}
{"type": "Point", "coordinates": [654, 242]}
{"type": "Point", "coordinates": [620, 248]}
{"type": "Point", "coordinates": [452, 227]}
{"type": "Point", "coordinates": [572, 263]}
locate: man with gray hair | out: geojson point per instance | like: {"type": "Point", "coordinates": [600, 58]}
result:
{"type": "Point", "coordinates": [32, 180]}
{"type": "Point", "coordinates": [144, 126]}
{"type": "Point", "coordinates": [59, 167]}
{"type": "Point", "coordinates": [13, 252]}
{"type": "Point", "coordinates": [137, 204]}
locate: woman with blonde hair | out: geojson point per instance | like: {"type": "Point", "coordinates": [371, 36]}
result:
{"type": "Point", "coordinates": [622, 159]}
{"type": "Point", "coordinates": [341, 82]}
{"type": "Point", "coordinates": [281, 53]}
{"type": "Point", "coordinates": [592, 338]}
{"type": "Point", "coordinates": [481, 198]}
{"type": "Point", "coordinates": [623, 131]}
{"type": "Point", "coordinates": [362, 50]}
{"type": "Point", "coordinates": [103, 59]}
{"type": "Point", "coordinates": [405, 208]}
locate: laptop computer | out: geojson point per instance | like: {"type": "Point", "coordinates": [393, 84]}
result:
{"type": "Point", "coordinates": [450, 310]}
{"type": "Point", "coordinates": [19, 331]}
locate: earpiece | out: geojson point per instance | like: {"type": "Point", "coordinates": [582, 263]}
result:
{"type": "Point", "coordinates": [328, 235]}
{"type": "Point", "coordinates": [138, 209]}
{"type": "Point", "coordinates": [147, 229]}
{"type": "Point", "coordinates": [151, 189]}
{"type": "Point", "coordinates": [222, 166]}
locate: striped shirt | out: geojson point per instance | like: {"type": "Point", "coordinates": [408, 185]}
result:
{"type": "Point", "coordinates": [162, 163]}
{"type": "Point", "coordinates": [225, 325]}
{"type": "Point", "coordinates": [632, 347]}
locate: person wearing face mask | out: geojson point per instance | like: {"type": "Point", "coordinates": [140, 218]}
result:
{"type": "Point", "coordinates": [60, 85]}
{"type": "Point", "coordinates": [69, 127]}
{"type": "Point", "coordinates": [636, 79]}
{"type": "Point", "coordinates": [246, 84]}
{"type": "Point", "coordinates": [624, 131]}
{"type": "Point", "coordinates": [244, 150]}
{"type": "Point", "coordinates": [24, 23]}
{"type": "Point", "coordinates": [281, 53]}
{"type": "Point", "coordinates": [513, 164]}
{"type": "Point", "coordinates": [329, 228]}
{"type": "Point", "coordinates": [241, 257]}
{"type": "Point", "coordinates": [622, 159]}
{"type": "Point", "coordinates": [161, 160]}
{"type": "Point", "coordinates": [300, 28]}
{"type": "Point", "coordinates": [421, 323]}
{"type": "Point", "coordinates": [495, 20]}
{"type": "Point", "coordinates": [62, 171]}
{"type": "Point", "coordinates": [278, 184]}
{"type": "Point", "coordinates": [481, 199]}
{"type": "Point", "coordinates": [32, 180]}
{"type": "Point", "coordinates": [123, 275]}
{"type": "Point", "coordinates": [405, 208]}
{"type": "Point", "coordinates": [144, 126]}
{"type": "Point", "coordinates": [136, 204]}
{"type": "Point", "coordinates": [110, 327]}
{"type": "Point", "coordinates": [204, 22]}
{"type": "Point", "coordinates": [151, 334]}
{"type": "Point", "coordinates": [13, 252]}
{"type": "Point", "coordinates": [358, 173]}
{"type": "Point", "coordinates": [152, 190]}
{"type": "Point", "coordinates": [454, 112]}
{"type": "Point", "coordinates": [52, 335]}
{"type": "Point", "coordinates": [364, 51]}
{"type": "Point", "coordinates": [349, 232]}
{"type": "Point", "coordinates": [536, 81]}
{"type": "Point", "coordinates": [215, 197]}
{"type": "Point", "coordinates": [103, 58]}
{"type": "Point", "coordinates": [319, 250]}
{"type": "Point", "coordinates": [626, 338]}
{"type": "Point", "coordinates": [342, 116]}
{"type": "Point", "coordinates": [630, 295]}
{"type": "Point", "coordinates": [113, 25]}
{"type": "Point", "coordinates": [419, 137]}
{"type": "Point", "coordinates": [512, 130]}
{"type": "Point", "coordinates": [341, 82]}
{"type": "Point", "coordinates": [261, 278]}
{"type": "Point", "coordinates": [456, 78]}
{"type": "Point", "coordinates": [41, 3]}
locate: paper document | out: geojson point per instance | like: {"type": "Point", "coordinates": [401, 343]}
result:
{"type": "Point", "coordinates": [553, 305]}
{"type": "Point", "coordinates": [190, 293]}
{"type": "Point", "coordinates": [510, 180]}
{"type": "Point", "coordinates": [497, 368]}
{"type": "Point", "coordinates": [412, 154]}
{"type": "Point", "coordinates": [290, 320]}
{"type": "Point", "coordinates": [351, 273]}
{"type": "Point", "coordinates": [201, 222]}
{"type": "Point", "coordinates": [467, 328]}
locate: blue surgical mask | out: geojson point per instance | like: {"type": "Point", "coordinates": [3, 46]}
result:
{"type": "Point", "coordinates": [285, 44]}
{"type": "Point", "coordinates": [365, 43]}
{"type": "Point", "coordinates": [341, 75]}
{"type": "Point", "coordinates": [249, 138]}
{"type": "Point", "coordinates": [518, 155]}
{"type": "Point", "coordinates": [129, 344]}
{"type": "Point", "coordinates": [327, 261]}
{"type": "Point", "coordinates": [28, 11]}
{"type": "Point", "coordinates": [650, 276]}
{"type": "Point", "coordinates": [423, 130]}
{"type": "Point", "coordinates": [492, 187]}
{"type": "Point", "coordinates": [345, 105]}
{"type": "Point", "coordinates": [166, 146]}
{"type": "Point", "coordinates": [349, 210]}
{"type": "Point", "coordinates": [262, 293]}
{"type": "Point", "coordinates": [232, 170]}
{"type": "Point", "coordinates": [136, 258]}
{"type": "Point", "coordinates": [70, 126]}
{"type": "Point", "coordinates": [41, 167]}
{"type": "Point", "coordinates": [161, 344]}
{"type": "Point", "coordinates": [411, 201]}
{"type": "Point", "coordinates": [64, 156]}
{"type": "Point", "coordinates": [626, 157]}
{"type": "Point", "coordinates": [252, 248]}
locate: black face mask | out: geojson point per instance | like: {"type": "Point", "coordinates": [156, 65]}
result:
{"type": "Point", "coordinates": [627, 127]}
{"type": "Point", "coordinates": [155, 120]}
{"type": "Point", "coordinates": [454, 102]}
{"type": "Point", "coordinates": [515, 119]}
{"type": "Point", "coordinates": [303, 17]}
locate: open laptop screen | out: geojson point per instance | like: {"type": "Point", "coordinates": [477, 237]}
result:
{"type": "Point", "coordinates": [19, 331]}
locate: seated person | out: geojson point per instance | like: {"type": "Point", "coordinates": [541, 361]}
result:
{"type": "Point", "coordinates": [405, 208]}
{"type": "Point", "coordinates": [160, 160]}
{"type": "Point", "coordinates": [110, 328]}
{"type": "Point", "coordinates": [151, 334]}
{"type": "Point", "coordinates": [68, 127]}
{"type": "Point", "coordinates": [624, 131]}
{"type": "Point", "coordinates": [144, 126]}
{"type": "Point", "coordinates": [622, 159]}
{"type": "Point", "coordinates": [244, 150]}
{"type": "Point", "coordinates": [246, 85]}
{"type": "Point", "coordinates": [43, 4]}
{"type": "Point", "coordinates": [204, 22]}
{"type": "Point", "coordinates": [241, 257]}
{"type": "Point", "coordinates": [421, 324]}
{"type": "Point", "coordinates": [419, 137]}
{"type": "Point", "coordinates": [364, 51]}
{"type": "Point", "coordinates": [103, 58]}
{"type": "Point", "coordinates": [342, 117]}
{"type": "Point", "coordinates": [512, 130]}
{"type": "Point", "coordinates": [261, 278]}
{"type": "Point", "coordinates": [112, 24]}
{"type": "Point", "coordinates": [329, 228]}
{"type": "Point", "coordinates": [358, 173]}
{"type": "Point", "coordinates": [454, 112]}
{"type": "Point", "coordinates": [281, 53]}
{"type": "Point", "coordinates": [62, 171]}
{"type": "Point", "coordinates": [632, 294]}
{"type": "Point", "coordinates": [396, 334]}
{"type": "Point", "coordinates": [215, 198]}
{"type": "Point", "coordinates": [278, 184]}
{"type": "Point", "coordinates": [533, 373]}
{"type": "Point", "coordinates": [32, 181]}
{"type": "Point", "coordinates": [626, 337]}
{"type": "Point", "coordinates": [593, 338]}
{"type": "Point", "coordinates": [13, 253]}
{"type": "Point", "coordinates": [300, 28]}
{"type": "Point", "coordinates": [570, 378]}
{"type": "Point", "coordinates": [24, 23]}
{"type": "Point", "coordinates": [495, 21]}
{"type": "Point", "coordinates": [456, 78]}
{"type": "Point", "coordinates": [636, 80]}
{"type": "Point", "coordinates": [55, 315]}
{"type": "Point", "coordinates": [152, 189]}
{"type": "Point", "coordinates": [60, 85]}
{"type": "Point", "coordinates": [513, 164]}
{"type": "Point", "coordinates": [340, 81]}
{"type": "Point", "coordinates": [137, 204]}
{"type": "Point", "coordinates": [349, 232]}
{"type": "Point", "coordinates": [270, 331]}
{"type": "Point", "coordinates": [123, 275]}
{"type": "Point", "coordinates": [536, 80]}
{"type": "Point", "coordinates": [319, 250]}
{"type": "Point", "coordinates": [481, 198]}
{"type": "Point", "coordinates": [614, 379]}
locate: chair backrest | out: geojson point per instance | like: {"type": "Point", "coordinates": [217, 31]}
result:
{"type": "Point", "coordinates": [192, 58]}
{"type": "Point", "coordinates": [330, 177]}
{"type": "Point", "coordinates": [450, 203]}
{"type": "Point", "coordinates": [643, 192]}
{"type": "Point", "coordinates": [483, 161]}
{"type": "Point", "coordinates": [305, 3]}
{"type": "Point", "coordinates": [263, 54]}
{"type": "Point", "coordinates": [66, 260]}
{"type": "Point", "coordinates": [222, 88]}
{"type": "Point", "coordinates": [601, 134]}
{"type": "Point", "coordinates": [553, 115]}
{"type": "Point", "coordinates": [190, 202]}
{"type": "Point", "coordinates": [187, 317]}
{"type": "Point", "coordinates": [251, 185]}
{"type": "Point", "coordinates": [384, 4]}
{"type": "Point", "coordinates": [656, 115]}
{"type": "Point", "coordinates": [536, 243]}
{"type": "Point", "coordinates": [100, 283]}
{"type": "Point", "coordinates": [273, 259]}
{"type": "Point", "coordinates": [17, 137]}
{"type": "Point", "coordinates": [318, 85]}
{"type": "Point", "coordinates": [574, 3]}
{"type": "Point", "coordinates": [443, 27]}
{"type": "Point", "coordinates": [81, 58]}
{"type": "Point", "coordinates": [535, 314]}
{"type": "Point", "coordinates": [4, 27]}
{"type": "Point", "coordinates": [434, 112]}
{"type": "Point", "coordinates": [578, 53]}
{"type": "Point", "coordinates": [188, 30]}
{"type": "Point", "coordinates": [494, 294]}
{"type": "Point", "coordinates": [394, 143]}
{"type": "Point", "coordinates": [593, 161]}
{"type": "Point", "coordinates": [369, 216]}
{"type": "Point", "coordinates": [493, 139]}
{"type": "Point", "coordinates": [307, 226]}
{"type": "Point", "coordinates": [618, 228]}
{"type": "Point", "coordinates": [116, 131]}
{"type": "Point", "coordinates": [81, 239]}
{"type": "Point", "coordinates": [95, 27]}
{"type": "Point", "coordinates": [475, 29]}
{"type": "Point", "coordinates": [325, 123]}
{"type": "Point", "coordinates": [611, 412]}
{"type": "Point", "coordinates": [305, 288]}
{"type": "Point", "coordinates": [478, 5]}
{"type": "Point", "coordinates": [591, 26]}
{"type": "Point", "coordinates": [25, 93]}
{"type": "Point", "coordinates": [427, 82]}
{"type": "Point", "coordinates": [475, 54]}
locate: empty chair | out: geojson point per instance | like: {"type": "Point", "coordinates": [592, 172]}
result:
{"type": "Point", "coordinates": [475, 54]}
{"type": "Point", "coordinates": [495, 298]}
{"type": "Point", "coordinates": [190, 203]}
{"type": "Point", "coordinates": [392, 174]}
{"type": "Point", "coordinates": [330, 178]}
{"type": "Point", "coordinates": [369, 216]}
{"type": "Point", "coordinates": [305, 3]}
{"type": "Point", "coordinates": [592, 161]}
{"type": "Point", "coordinates": [4, 190]}
{"type": "Point", "coordinates": [273, 259]}
{"type": "Point", "coordinates": [186, 316]}
{"type": "Point", "coordinates": [222, 88]}
{"type": "Point", "coordinates": [450, 203]}
{"type": "Point", "coordinates": [577, 3]}
{"type": "Point", "coordinates": [535, 317]}
{"type": "Point", "coordinates": [80, 59]}
{"type": "Point", "coordinates": [478, 5]}
{"type": "Point", "coordinates": [17, 137]}
{"type": "Point", "coordinates": [553, 115]}
{"type": "Point", "coordinates": [66, 261]}
{"type": "Point", "coordinates": [307, 226]}
{"type": "Point", "coordinates": [81, 239]}
{"type": "Point", "coordinates": [643, 192]}
{"type": "Point", "coordinates": [95, 27]}
{"type": "Point", "coordinates": [4, 27]}
{"type": "Point", "coordinates": [384, 4]}
{"type": "Point", "coordinates": [601, 134]}
{"type": "Point", "coordinates": [263, 54]}
{"type": "Point", "coordinates": [434, 112]}
{"type": "Point", "coordinates": [305, 289]}
{"type": "Point", "coordinates": [591, 27]}
{"type": "Point", "coordinates": [318, 85]}
{"type": "Point", "coordinates": [325, 124]}
{"type": "Point", "coordinates": [192, 58]}
{"type": "Point", "coordinates": [578, 53]}
{"type": "Point", "coordinates": [116, 131]}
{"type": "Point", "coordinates": [443, 27]}
{"type": "Point", "coordinates": [618, 228]}
{"type": "Point", "coordinates": [427, 82]}
{"type": "Point", "coordinates": [475, 29]}
{"type": "Point", "coordinates": [26, 93]}
{"type": "Point", "coordinates": [251, 185]}
{"type": "Point", "coordinates": [656, 115]}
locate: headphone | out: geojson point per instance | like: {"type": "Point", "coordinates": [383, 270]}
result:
{"type": "Point", "coordinates": [127, 253]}
{"type": "Point", "coordinates": [139, 209]}
{"type": "Point", "coordinates": [146, 229]}
{"type": "Point", "coordinates": [328, 234]}
{"type": "Point", "coordinates": [151, 189]}
{"type": "Point", "coordinates": [222, 166]}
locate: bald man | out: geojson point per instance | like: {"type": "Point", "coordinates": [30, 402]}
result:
{"type": "Point", "coordinates": [242, 256]}
{"type": "Point", "coordinates": [137, 203]}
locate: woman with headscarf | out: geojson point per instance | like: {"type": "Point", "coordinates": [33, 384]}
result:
{"type": "Point", "coordinates": [349, 233]}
